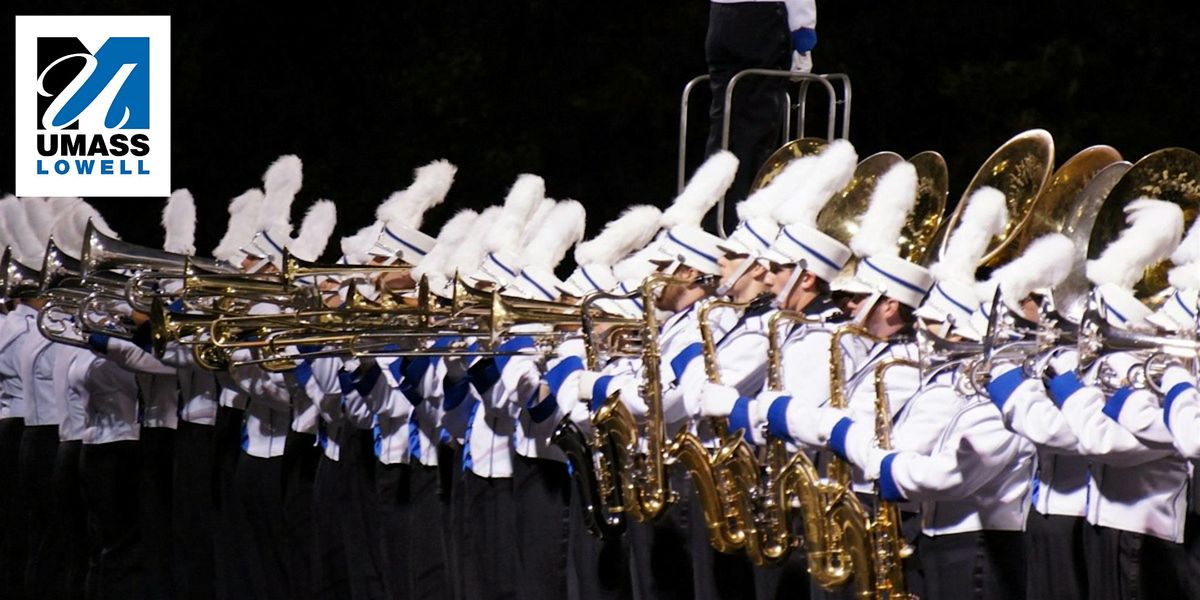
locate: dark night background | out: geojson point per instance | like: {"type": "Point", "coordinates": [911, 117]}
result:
{"type": "Point", "coordinates": [586, 94]}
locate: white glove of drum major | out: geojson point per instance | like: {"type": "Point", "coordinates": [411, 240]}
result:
{"type": "Point", "coordinates": [717, 400]}
{"type": "Point", "coordinates": [802, 62]}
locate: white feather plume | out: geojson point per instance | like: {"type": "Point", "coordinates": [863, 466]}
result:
{"type": "Point", "coordinates": [281, 183]}
{"type": "Point", "coordinates": [520, 205]}
{"type": "Point", "coordinates": [706, 187]}
{"type": "Point", "coordinates": [1044, 264]}
{"type": "Point", "coordinates": [777, 199]}
{"type": "Point", "coordinates": [40, 215]}
{"type": "Point", "coordinates": [6, 237]}
{"type": "Point", "coordinates": [25, 243]}
{"type": "Point", "coordinates": [1155, 228]}
{"type": "Point", "coordinates": [69, 229]}
{"type": "Point", "coordinates": [814, 186]}
{"type": "Point", "coordinates": [59, 206]}
{"type": "Point", "coordinates": [536, 222]}
{"type": "Point", "coordinates": [1189, 249]}
{"type": "Point", "coordinates": [243, 217]}
{"type": "Point", "coordinates": [430, 185]}
{"type": "Point", "coordinates": [892, 199]}
{"type": "Point", "coordinates": [179, 223]}
{"type": "Point", "coordinates": [473, 247]}
{"type": "Point", "coordinates": [637, 266]}
{"type": "Point", "coordinates": [315, 230]}
{"type": "Point", "coordinates": [563, 228]}
{"type": "Point", "coordinates": [984, 218]}
{"type": "Point", "coordinates": [628, 232]}
{"type": "Point", "coordinates": [452, 234]}
{"type": "Point", "coordinates": [356, 248]}
{"type": "Point", "coordinates": [1185, 276]}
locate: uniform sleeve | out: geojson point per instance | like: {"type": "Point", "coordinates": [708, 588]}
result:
{"type": "Point", "coordinates": [129, 356]}
{"type": "Point", "coordinates": [1100, 436]}
{"type": "Point", "coordinates": [1027, 410]}
{"type": "Point", "coordinates": [257, 383]}
{"type": "Point", "coordinates": [985, 450]}
{"type": "Point", "coordinates": [1181, 411]}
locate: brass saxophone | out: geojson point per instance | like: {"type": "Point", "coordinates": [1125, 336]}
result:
{"type": "Point", "coordinates": [592, 465]}
{"type": "Point", "coordinates": [645, 491]}
{"type": "Point", "coordinates": [888, 544]}
{"type": "Point", "coordinates": [847, 522]}
{"type": "Point", "coordinates": [718, 478]}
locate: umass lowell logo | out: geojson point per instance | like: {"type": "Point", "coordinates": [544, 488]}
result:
{"type": "Point", "coordinates": [105, 90]}
{"type": "Point", "coordinates": [96, 111]}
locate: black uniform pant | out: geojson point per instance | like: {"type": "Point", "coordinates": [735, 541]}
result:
{"type": "Point", "coordinates": [1054, 557]}
{"type": "Point", "coordinates": [1121, 565]}
{"type": "Point", "coordinates": [193, 512]}
{"type": "Point", "coordinates": [428, 548]}
{"type": "Point", "coordinates": [300, 457]}
{"type": "Point", "coordinates": [14, 539]}
{"type": "Point", "coordinates": [72, 521]}
{"type": "Point", "coordinates": [231, 574]}
{"type": "Point", "coordinates": [599, 568]}
{"type": "Point", "coordinates": [742, 36]}
{"type": "Point", "coordinates": [330, 570]}
{"type": "Point", "coordinates": [660, 552]}
{"type": "Point", "coordinates": [154, 504]}
{"type": "Point", "coordinates": [488, 539]}
{"type": "Point", "coordinates": [979, 565]}
{"type": "Point", "coordinates": [395, 502]}
{"type": "Point", "coordinates": [360, 515]}
{"type": "Point", "coordinates": [110, 489]}
{"type": "Point", "coordinates": [541, 493]}
{"type": "Point", "coordinates": [39, 444]}
{"type": "Point", "coordinates": [260, 534]}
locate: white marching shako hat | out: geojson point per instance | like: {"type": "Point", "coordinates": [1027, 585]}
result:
{"type": "Point", "coordinates": [693, 247]}
{"type": "Point", "coordinates": [499, 268]}
{"type": "Point", "coordinates": [538, 283]}
{"type": "Point", "coordinates": [1121, 307]}
{"type": "Point", "coordinates": [952, 301]}
{"type": "Point", "coordinates": [896, 278]}
{"type": "Point", "coordinates": [1178, 314]}
{"type": "Point", "coordinates": [752, 236]}
{"type": "Point", "coordinates": [821, 254]}
{"type": "Point", "coordinates": [397, 240]}
{"type": "Point", "coordinates": [588, 279]}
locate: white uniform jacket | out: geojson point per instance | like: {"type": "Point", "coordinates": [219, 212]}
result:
{"type": "Point", "coordinates": [70, 390]}
{"type": "Point", "coordinates": [14, 332]}
{"type": "Point", "coordinates": [36, 370]}
{"type": "Point", "coordinates": [198, 388]}
{"type": "Point", "coordinates": [111, 403]}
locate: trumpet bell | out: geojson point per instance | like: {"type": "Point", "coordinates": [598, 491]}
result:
{"type": "Point", "coordinates": [57, 268]}
{"type": "Point", "coordinates": [1168, 174]}
{"type": "Point", "coordinates": [1020, 169]}
{"type": "Point", "coordinates": [102, 253]}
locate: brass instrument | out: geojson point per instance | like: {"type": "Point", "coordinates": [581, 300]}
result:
{"type": "Point", "coordinates": [103, 253]}
{"type": "Point", "coordinates": [888, 543]}
{"type": "Point", "coordinates": [1020, 168]}
{"type": "Point", "coordinates": [1169, 175]}
{"type": "Point", "coordinates": [645, 491]}
{"type": "Point", "coordinates": [594, 468]}
{"type": "Point", "coordinates": [1097, 336]}
{"type": "Point", "coordinates": [723, 480]}
{"type": "Point", "coordinates": [295, 269]}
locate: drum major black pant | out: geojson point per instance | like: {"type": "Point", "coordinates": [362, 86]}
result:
{"type": "Point", "coordinates": [599, 569]}
{"type": "Point", "coordinates": [488, 539]}
{"type": "Point", "coordinates": [230, 568]}
{"type": "Point", "coordinates": [395, 502]}
{"type": "Point", "coordinates": [330, 570]}
{"type": "Point", "coordinates": [1118, 564]}
{"type": "Point", "coordinates": [260, 534]}
{"type": "Point", "coordinates": [360, 515]}
{"type": "Point", "coordinates": [428, 550]}
{"type": "Point", "coordinates": [660, 552]}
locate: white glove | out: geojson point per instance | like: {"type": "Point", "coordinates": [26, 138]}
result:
{"type": "Point", "coordinates": [580, 415]}
{"type": "Point", "coordinates": [802, 62]}
{"type": "Point", "coordinates": [717, 400]}
{"type": "Point", "coordinates": [1064, 362]}
{"type": "Point", "coordinates": [1175, 375]}
{"type": "Point", "coordinates": [1122, 363]}
{"type": "Point", "coordinates": [587, 379]}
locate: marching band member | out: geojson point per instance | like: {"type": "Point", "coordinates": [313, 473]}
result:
{"type": "Point", "coordinates": [259, 478]}
{"type": "Point", "coordinates": [1181, 403]}
{"type": "Point", "coordinates": [12, 332]}
{"type": "Point", "coordinates": [396, 236]}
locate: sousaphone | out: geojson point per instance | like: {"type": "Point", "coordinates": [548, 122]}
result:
{"type": "Point", "coordinates": [780, 158]}
{"type": "Point", "coordinates": [1169, 174]}
{"type": "Point", "coordinates": [1020, 169]}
